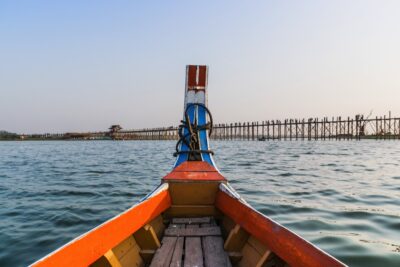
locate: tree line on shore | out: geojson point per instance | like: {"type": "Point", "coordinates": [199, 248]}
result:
{"type": "Point", "coordinates": [4, 135]}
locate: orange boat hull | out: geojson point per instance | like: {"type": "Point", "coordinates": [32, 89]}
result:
{"type": "Point", "coordinates": [190, 192]}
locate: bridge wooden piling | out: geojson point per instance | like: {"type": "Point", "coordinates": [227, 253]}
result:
{"type": "Point", "coordinates": [379, 127]}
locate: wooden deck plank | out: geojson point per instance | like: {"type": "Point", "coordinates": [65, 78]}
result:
{"type": "Point", "coordinates": [212, 223]}
{"type": "Point", "coordinates": [214, 253]}
{"type": "Point", "coordinates": [209, 224]}
{"type": "Point", "coordinates": [205, 231]}
{"type": "Point", "coordinates": [193, 252]}
{"type": "Point", "coordinates": [178, 253]}
{"type": "Point", "coordinates": [191, 220]}
{"type": "Point", "coordinates": [191, 225]}
{"type": "Point", "coordinates": [163, 255]}
{"type": "Point", "coordinates": [190, 242]}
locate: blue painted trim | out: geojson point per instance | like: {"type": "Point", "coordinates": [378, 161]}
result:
{"type": "Point", "coordinates": [202, 120]}
{"type": "Point", "coordinates": [200, 114]}
{"type": "Point", "coordinates": [183, 147]}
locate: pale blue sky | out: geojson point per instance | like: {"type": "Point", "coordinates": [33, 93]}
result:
{"type": "Point", "coordinates": [84, 65]}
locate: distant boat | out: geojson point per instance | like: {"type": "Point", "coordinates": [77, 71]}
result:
{"type": "Point", "coordinates": [262, 138]}
{"type": "Point", "coordinates": [193, 218]}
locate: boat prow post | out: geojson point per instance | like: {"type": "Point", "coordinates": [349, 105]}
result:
{"type": "Point", "coordinates": [196, 127]}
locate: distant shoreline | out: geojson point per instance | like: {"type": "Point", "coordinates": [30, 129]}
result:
{"type": "Point", "coordinates": [339, 128]}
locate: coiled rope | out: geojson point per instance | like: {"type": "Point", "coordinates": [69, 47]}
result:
{"type": "Point", "coordinates": [191, 138]}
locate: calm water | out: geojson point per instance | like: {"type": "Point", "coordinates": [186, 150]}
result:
{"type": "Point", "coordinates": [342, 196]}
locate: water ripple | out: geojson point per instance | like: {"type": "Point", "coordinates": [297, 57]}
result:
{"type": "Point", "coordinates": [341, 196]}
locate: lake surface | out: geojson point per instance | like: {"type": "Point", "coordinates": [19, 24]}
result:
{"type": "Point", "coordinates": [342, 196]}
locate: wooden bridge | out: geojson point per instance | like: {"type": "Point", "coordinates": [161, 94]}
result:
{"type": "Point", "coordinates": [289, 129]}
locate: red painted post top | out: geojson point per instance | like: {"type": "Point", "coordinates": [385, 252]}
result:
{"type": "Point", "coordinates": [196, 77]}
{"type": "Point", "coordinates": [194, 171]}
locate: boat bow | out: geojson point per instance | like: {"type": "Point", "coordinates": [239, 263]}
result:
{"type": "Point", "coordinates": [194, 218]}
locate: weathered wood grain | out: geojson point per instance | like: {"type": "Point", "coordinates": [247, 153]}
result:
{"type": "Point", "coordinates": [193, 252]}
{"type": "Point", "coordinates": [191, 220]}
{"type": "Point", "coordinates": [214, 253]}
{"type": "Point", "coordinates": [205, 231]}
{"type": "Point", "coordinates": [178, 253]}
{"type": "Point", "coordinates": [163, 255]}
